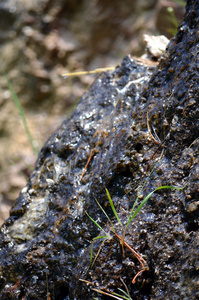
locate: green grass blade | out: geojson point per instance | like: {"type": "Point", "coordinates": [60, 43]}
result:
{"type": "Point", "coordinates": [127, 296]}
{"type": "Point", "coordinates": [113, 207]}
{"type": "Point", "coordinates": [101, 237]}
{"type": "Point", "coordinates": [147, 198]}
{"type": "Point", "coordinates": [105, 214]}
{"type": "Point", "coordinates": [172, 17]}
{"type": "Point", "coordinates": [107, 236]}
{"type": "Point", "coordinates": [95, 222]}
{"type": "Point", "coordinates": [125, 293]}
{"type": "Point", "coordinates": [139, 208]}
{"type": "Point", "coordinates": [22, 115]}
{"type": "Point", "coordinates": [136, 200]}
{"type": "Point", "coordinates": [122, 296]}
{"type": "Point", "coordinates": [171, 187]}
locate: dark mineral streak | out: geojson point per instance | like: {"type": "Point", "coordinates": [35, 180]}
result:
{"type": "Point", "coordinates": [45, 244]}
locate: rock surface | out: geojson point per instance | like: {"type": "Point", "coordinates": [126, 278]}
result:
{"type": "Point", "coordinates": [45, 244]}
{"type": "Point", "coordinates": [42, 39]}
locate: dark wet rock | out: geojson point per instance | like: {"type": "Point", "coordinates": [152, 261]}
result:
{"type": "Point", "coordinates": [45, 244]}
{"type": "Point", "coordinates": [42, 39]}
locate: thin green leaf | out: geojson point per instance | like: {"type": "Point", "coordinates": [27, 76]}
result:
{"type": "Point", "coordinates": [102, 237]}
{"type": "Point", "coordinates": [172, 17]}
{"type": "Point", "coordinates": [170, 187]}
{"type": "Point", "coordinates": [113, 207]}
{"type": "Point", "coordinates": [147, 198]}
{"type": "Point", "coordinates": [125, 293]}
{"type": "Point", "coordinates": [126, 297]}
{"type": "Point", "coordinates": [105, 214]}
{"type": "Point", "coordinates": [123, 297]}
{"type": "Point", "coordinates": [95, 222]}
{"type": "Point", "coordinates": [139, 208]}
{"type": "Point", "coordinates": [136, 200]}
{"type": "Point", "coordinates": [22, 115]}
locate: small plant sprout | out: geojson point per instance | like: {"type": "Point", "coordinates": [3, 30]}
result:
{"type": "Point", "coordinates": [104, 237]}
{"type": "Point", "coordinates": [172, 17]}
{"type": "Point", "coordinates": [133, 213]}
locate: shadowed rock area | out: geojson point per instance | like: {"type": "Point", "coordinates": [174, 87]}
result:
{"type": "Point", "coordinates": [46, 243]}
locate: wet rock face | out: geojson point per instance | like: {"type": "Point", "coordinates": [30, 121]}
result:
{"type": "Point", "coordinates": [45, 244]}
{"type": "Point", "coordinates": [42, 39]}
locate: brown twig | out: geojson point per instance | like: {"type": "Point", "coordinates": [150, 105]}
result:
{"type": "Point", "coordinates": [88, 161]}
{"type": "Point", "coordinates": [14, 287]}
{"type": "Point", "coordinates": [138, 256]}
